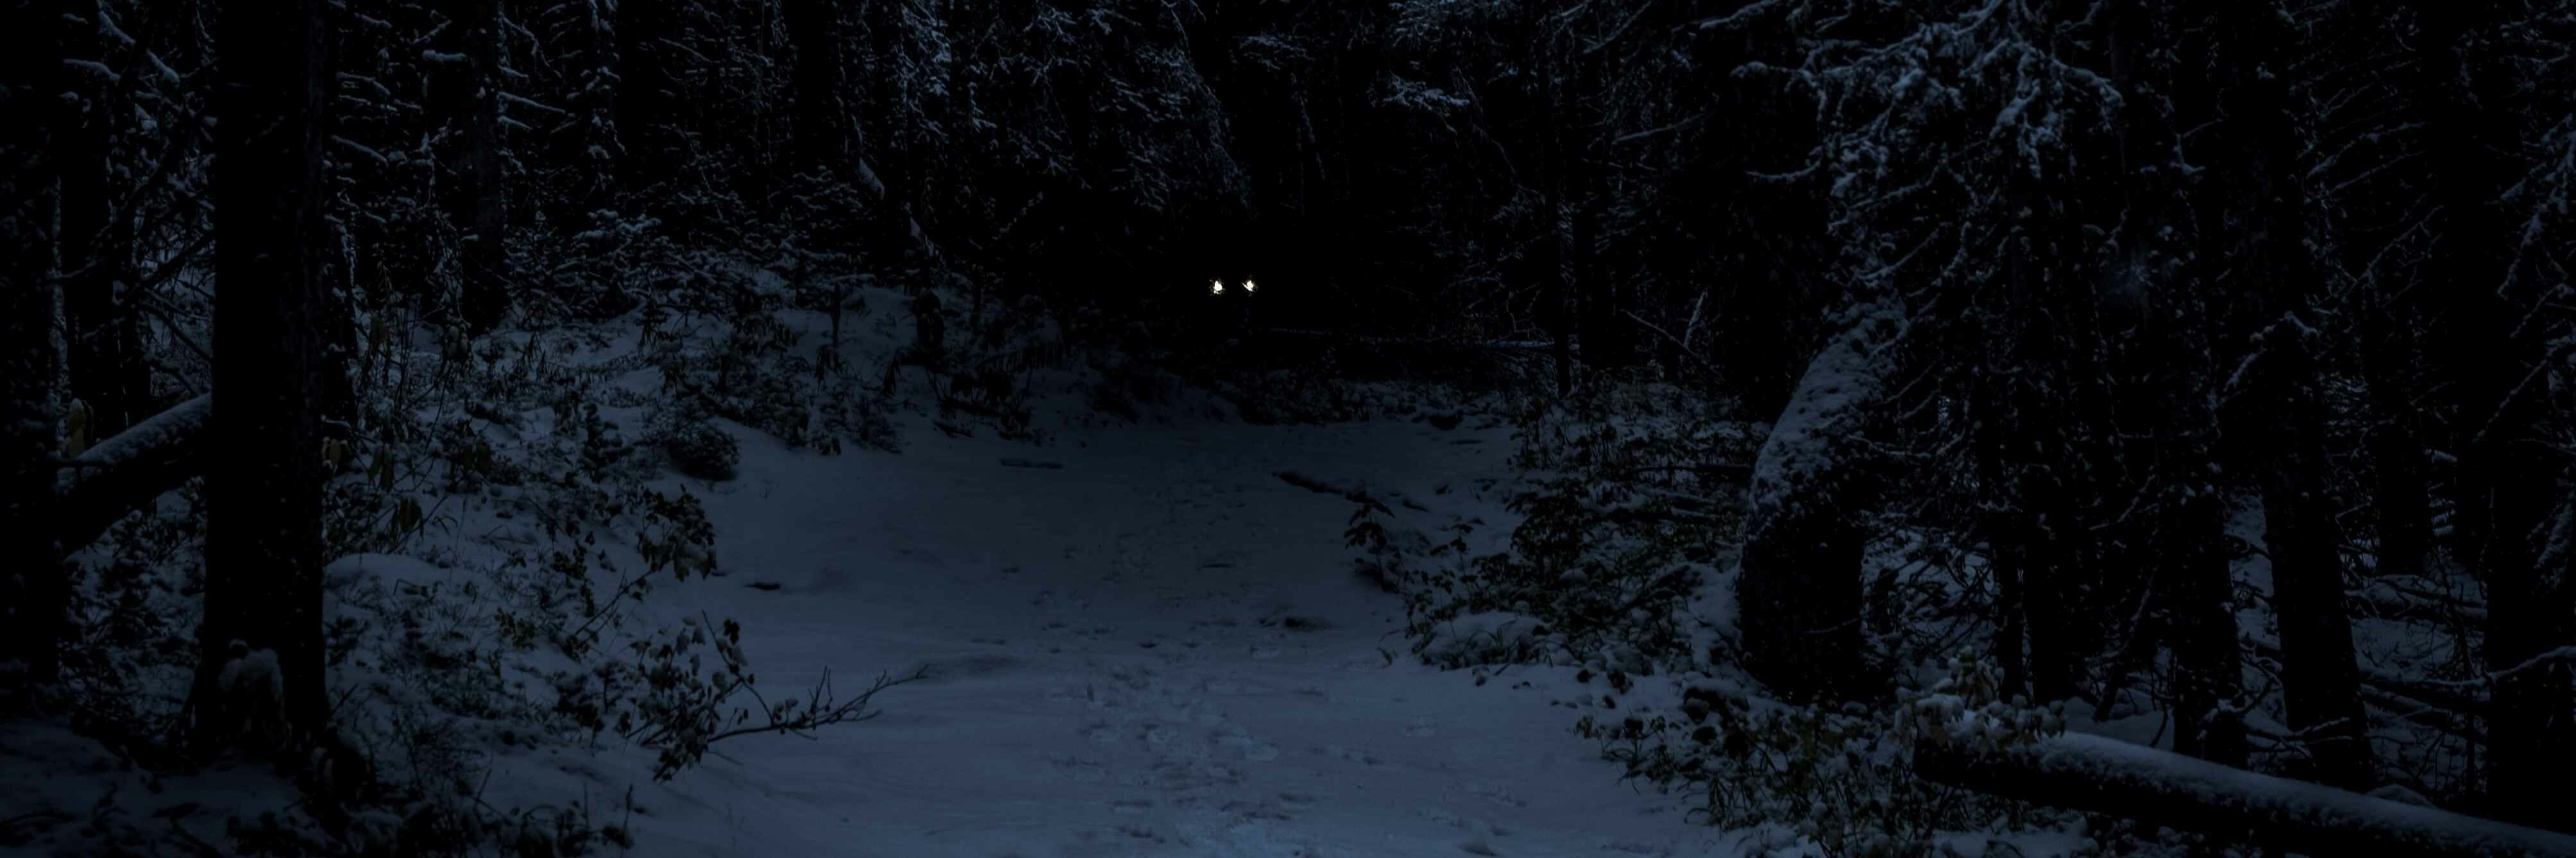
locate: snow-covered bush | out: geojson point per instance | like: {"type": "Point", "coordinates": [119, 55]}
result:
{"type": "Point", "coordinates": [498, 534]}
{"type": "Point", "coordinates": [1625, 516]}
{"type": "Point", "coordinates": [1837, 780]}
{"type": "Point", "coordinates": [728, 342]}
{"type": "Point", "coordinates": [698, 448]}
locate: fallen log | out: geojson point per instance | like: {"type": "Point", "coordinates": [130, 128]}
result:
{"type": "Point", "coordinates": [101, 486]}
{"type": "Point", "coordinates": [2093, 773]}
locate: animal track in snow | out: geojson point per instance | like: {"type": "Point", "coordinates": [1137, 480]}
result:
{"type": "Point", "coordinates": [1350, 755]}
{"type": "Point", "coordinates": [1080, 770]}
{"type": "Point", "coordinates": [1495, 793]}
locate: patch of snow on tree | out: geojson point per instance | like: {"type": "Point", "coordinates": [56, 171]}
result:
{"type": "Point", "coordinates": [1804, 445]}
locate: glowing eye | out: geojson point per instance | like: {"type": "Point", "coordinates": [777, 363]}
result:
{"type": "Point", "coordinates": [1216, 287]}
{"type": "Point", "coordinates": [1247, 285]}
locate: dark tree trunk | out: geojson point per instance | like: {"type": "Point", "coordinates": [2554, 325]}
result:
{"type": "Point", "coordinates": [821, 141]}
{"type": "Point", "coordinates": [264, 495]}
{"type": "Point", "coordinates": [2516, 483]}
{"type": "Point", "coordinates": [31, 593]}
{"type": "Point", "coordinates": [2028, 458]}
{"type": "Point", "coordinates": [2401, 494]}
{"type": "Point", "coordinates": [487, 296]}
{"type": "Point", "coordinates": [2320, 684]}
{"type": "Point", "coordinates": [2193, 590]}
{"type": "Point", "coordinates": [1998, 525]}
{"type": "Point", "coordinates": [2051, 607]}
{"type": "Point", "coordinates": [2200, 620]}
{"type": "Point", "coordinates": [2508, 487]}
{"type": "Point", "coordinates": [2283, 416]}
{"type": "Point", "coordinates": [1607, 343]}
{"type": "Point", "coordinates": [897, 171]}
{"type": "Point", "coordinates": [646, 94]}
{"type": "Point", "coordinates": [1799, 589]}
{"type": "Point", "coordinates": [1560, 304]}
{"type": "Point", "coordinates": [98, 338]}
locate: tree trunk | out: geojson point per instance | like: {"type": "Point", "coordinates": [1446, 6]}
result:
{"type": "Point", "coordinates": [2531, 606]}
{"type": "Point", "coordinates": [820, 126]}
{"type": "Point", "coordinates": [487, 296]}
{"type": "Point", "coordinates": [2401, 495]}
{"type": "Point", "coordinates": [2027, 531]}
{"type": "Point", "coordinates": [2198, 604]}
{"type": "Point", "coordinates": [897, 173]}
{"type": "Point", "coordinates": [2508, 492]}
{"type": "Point", "coordinates": [1799, 592]}
{"type": "Point", "coordinates": [2193, 588]}
{"type": "Point", "coordinates": [645, 95]}
{"type": "Point", "coordinates": [31, 593]}
{"type": "Point", "coordinates": [2286, 419]}
{"type": "Point", "coordinates": [264, 495]}
{"type": "Point", "coordinates": [98, 338]}
{"type": "Point", "coordinates": [2320, 684]}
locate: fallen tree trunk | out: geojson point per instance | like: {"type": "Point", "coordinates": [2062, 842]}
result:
{"type": "Point", "coordinates": [147, 460]}
{"type": "Point", "coordinates": [2092, 773]}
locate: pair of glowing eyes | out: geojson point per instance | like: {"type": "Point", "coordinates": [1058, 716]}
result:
{"type": "Point", "coordinates": [1217, 287]}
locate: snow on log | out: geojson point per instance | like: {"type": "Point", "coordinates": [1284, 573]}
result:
{"type": "Point", "coordinates": [2094, 773]}
{"type": "Point", "coordinates": [125, 472]}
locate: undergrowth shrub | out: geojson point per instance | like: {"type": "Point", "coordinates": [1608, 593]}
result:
{"type": "Point", "coordinates": [497, 506]}
{"type": "Point", "coordinates": [1840, 779]}
{"type": "Point", "coordinates": [694, 446]}
{"type": "Point", "coordinates": [725, 343]}
{"type": "Point", "coordinates": [1629, 507]}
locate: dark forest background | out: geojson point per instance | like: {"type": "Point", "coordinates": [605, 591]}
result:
{"type": "Point", "coordinates": [2071, 285]}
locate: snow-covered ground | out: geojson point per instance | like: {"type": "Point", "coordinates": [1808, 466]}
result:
{"type": "Point", "coordinates": [1140, 641]}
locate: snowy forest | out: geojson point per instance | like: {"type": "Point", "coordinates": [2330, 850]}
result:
{"type": "Point", "coordinates": [1288, 427]}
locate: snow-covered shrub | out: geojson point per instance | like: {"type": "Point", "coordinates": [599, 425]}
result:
{"type": "Point", "coordinates": [1628, 514]}
{"type": "Point", "coordinates": [498, 531]}
{"type": "Point", "coordinates": [697, 448]}
{"type": "Point", "coordinates": [135, 609]}
{"type": "Point", "coordinates": [1126, 386]}
{"type": "Point", "coordinates": [726, 345]}
{"type": "Point", "coordinates": [1837, 780]}
{"type": "Point", "coordinates": [598, 270]}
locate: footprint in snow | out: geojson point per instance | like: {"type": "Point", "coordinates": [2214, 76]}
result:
{"type": "Point", "coordinates": [1253, 749]}
{"type": "Point", "coordinates": [1421, 729]}
{"type": "Point", "coordinates": [967, 667]}
{"type": "Point", "coordinates": [1255, 811]}
{"type": "Point", "coordinates": [1352, 755]}
{"type": "Point", "coordinates": [1495, 793]}
{"type": "Point", "coordinates": [1080, 770]}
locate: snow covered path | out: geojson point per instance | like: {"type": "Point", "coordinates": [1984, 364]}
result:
{"type": "Point", "coordinates": [1157, 648]}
